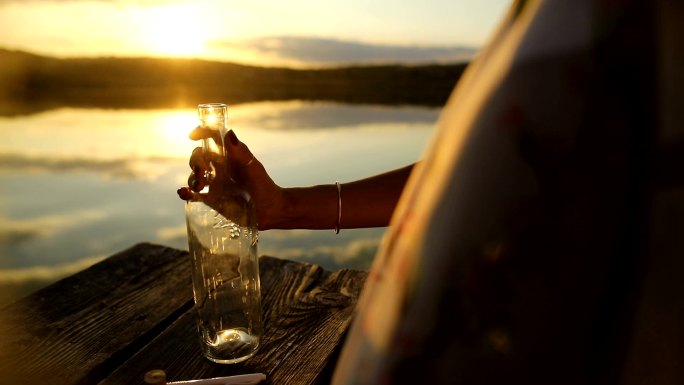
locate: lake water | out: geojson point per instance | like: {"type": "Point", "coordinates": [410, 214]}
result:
{"type": "Point", "coordinates": [77, 185]}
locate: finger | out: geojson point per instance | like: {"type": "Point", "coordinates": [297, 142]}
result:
{"type": "Point", "coordinates": [201, 160]}
{"type": "Point", "coordinates": [205, 133]}
{"type": "Point", "coordinates": [198, 133]}
{"type": "Point", "coordinates": [200, 170]}
{"type": "Point", "coordinates": [245, 167]}
{"type": "Point", "coordinates": [198, 161]}
{"type": "Point", "coordinates": [238, 152]}
{"type": "Point", "coordinates": [197, 182]}
{"type": "Point", "coordinates": [186, 194]}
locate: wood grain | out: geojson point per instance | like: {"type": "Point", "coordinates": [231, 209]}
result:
{"type": "Point", "coordinates": [80, 327]}
{"type": "Point", "coordinates": [307, 311]}
{"type": "Point", "coordinates": [131, 313]}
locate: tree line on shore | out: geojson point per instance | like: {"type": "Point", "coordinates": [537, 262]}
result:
{"type": "Point", "coordinates": [32, 83]}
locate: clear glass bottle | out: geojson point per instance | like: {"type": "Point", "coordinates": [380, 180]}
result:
{"type": "Point", "coordinates": [222, 238]}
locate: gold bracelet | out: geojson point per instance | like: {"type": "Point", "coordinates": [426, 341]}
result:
{"type": "Point", "coordinates": [339, 206]}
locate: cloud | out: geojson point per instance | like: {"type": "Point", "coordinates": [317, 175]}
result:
{"type": "Point", "coordinates": [45, 273]}
{"type": "Point", "coordinates": [168, 234]}
{"type": "Point", "coordinates": [312, 246]}
{"type": "Point", "coordinates": [13, 236]}
{"type": "Point", "coordinates": [332, 252]}
{"type": "Point", "coordinates": [291, 115]}
{"type": "Point", "coordinates": [16, 231]}
{"type": "Point", "coordinates": [112, 168]}
{"type": "Point", "coordinates": [358, 254]}
{"type": "Point", "coordinates": [18, 282]}
{"type": "Point", "coordinates": [323, 51]}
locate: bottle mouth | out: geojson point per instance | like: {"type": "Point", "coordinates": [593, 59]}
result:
{"type": "Point", "coordinates": [212, 114]}
{"type": "Point", "coordinates": [212, 105]}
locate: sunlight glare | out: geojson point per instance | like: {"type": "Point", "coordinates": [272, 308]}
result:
{"type": "Point", "coordinates": [175, 30]}
{"type": "Point", "coordinates": [172, 133]}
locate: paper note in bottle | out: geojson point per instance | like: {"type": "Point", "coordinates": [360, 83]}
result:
{"type": "Point", "coordinates": [222, 238]}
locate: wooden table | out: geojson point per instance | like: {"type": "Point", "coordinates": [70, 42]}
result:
{"type": "Point", "coordinates": [131, 313]}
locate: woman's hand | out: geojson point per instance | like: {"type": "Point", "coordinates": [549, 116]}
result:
{"type": "Point", "coordinates": [268, 197]}
{"type": "Point", "coordinates": [368, 202]}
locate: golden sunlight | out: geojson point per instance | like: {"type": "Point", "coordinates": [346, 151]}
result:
{"type": "Point", "coordinates": [174, 30]}
{"type": "Point", "coordinates": [170, 136]}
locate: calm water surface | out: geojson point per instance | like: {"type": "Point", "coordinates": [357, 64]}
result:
{"type": "Point", "coordinates": [77, 185]}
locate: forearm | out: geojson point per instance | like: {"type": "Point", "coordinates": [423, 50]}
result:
{"type": "Point", "coordinates": [368, 202]}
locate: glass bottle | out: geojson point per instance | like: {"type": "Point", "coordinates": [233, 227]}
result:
{"type": "Point", "coordinates": [222, 238]}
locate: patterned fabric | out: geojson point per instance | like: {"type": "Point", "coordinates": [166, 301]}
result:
{"type": "Point", "coordinates": [517, 250]}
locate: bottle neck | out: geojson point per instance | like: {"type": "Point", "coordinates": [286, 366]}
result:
{"type": "Point", "coordinates": [213, 118]}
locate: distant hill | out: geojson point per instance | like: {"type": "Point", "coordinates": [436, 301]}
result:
{"type": "Point", "coordinates": [31, 82]}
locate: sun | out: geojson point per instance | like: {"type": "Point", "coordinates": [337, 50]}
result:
{"type": "Point", "coordinates": [174, 30]}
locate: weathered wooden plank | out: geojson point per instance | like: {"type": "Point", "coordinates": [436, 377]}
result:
{"type": "Point", "coordinates": [307, 311]}
{"type": "Point", "coordinates": [81, 328]}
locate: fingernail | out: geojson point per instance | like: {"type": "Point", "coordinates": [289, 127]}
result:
{"type": "Point", "coordinates": [233, 139]}
{"type": "Point", "coordinates": [182, 193]}
{"type": "Point", "coordinates": [193, 182]}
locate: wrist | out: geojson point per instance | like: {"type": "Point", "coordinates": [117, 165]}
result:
{"type": "Point", "coordinates": [314, 207]}
{"type": "Point", "coordinates": [338, 187]}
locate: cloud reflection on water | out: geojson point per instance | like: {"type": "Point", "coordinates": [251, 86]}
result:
{"type": "Point", "coordinates": [16, 231]}
{"type": "Point", "coordinates": [78, 184]}
{"type": "Point", "coordinates": [323, 115]}
{"type": "Point", "coordinates": [122, 168]}
{"type": "Point", "coordinates": [45, 273]}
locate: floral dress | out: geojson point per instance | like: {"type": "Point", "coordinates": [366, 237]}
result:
{"type": "Point", "coordinates": [531, 243]}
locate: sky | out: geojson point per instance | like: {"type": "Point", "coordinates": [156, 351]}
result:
{"type": "Point", "coordinates": [271, 32]}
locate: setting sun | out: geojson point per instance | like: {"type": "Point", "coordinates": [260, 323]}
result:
{"type": "Point", "coordinates": [174, 30]}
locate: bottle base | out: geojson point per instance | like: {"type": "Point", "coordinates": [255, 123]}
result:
{"type": "Point", "coordinates": [230, 346]}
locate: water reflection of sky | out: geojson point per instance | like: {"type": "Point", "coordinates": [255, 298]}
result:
{"type": "Point", "coordinates": [77, 185]}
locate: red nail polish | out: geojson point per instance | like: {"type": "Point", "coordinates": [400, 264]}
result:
{"type": "Point", "coordinates": [233, 139]}
{"type": "Point", "coordinates": [182, 193]}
